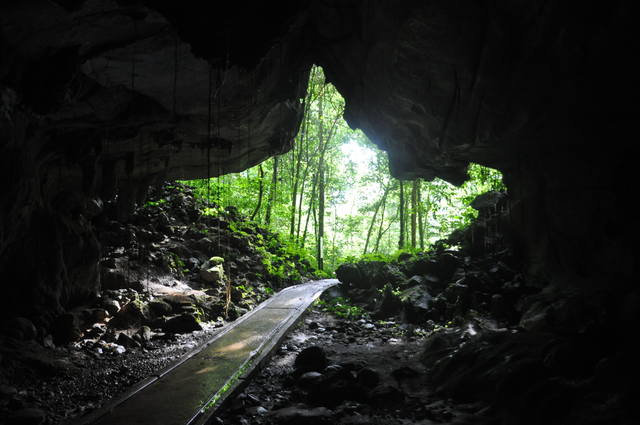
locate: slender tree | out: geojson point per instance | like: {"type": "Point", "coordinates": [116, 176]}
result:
{"type": "Point", "coordinates": [401, 214]}
{"type": "Point", "coordinates": [273, 191]}
{"type": "Point", "coordinates": [420, 222]}
{"type": "Point", "coordinates": [379, 204]}
{"type": "Point", "coordinates": [260, 191]}
{"type": "Point", "coordinates": [414, 212]}
{"type": "Point", "coordinates": [320, 217]}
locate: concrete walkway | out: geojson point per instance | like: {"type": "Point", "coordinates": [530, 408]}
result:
{"type": "Point", "coordinates": [188, 392]}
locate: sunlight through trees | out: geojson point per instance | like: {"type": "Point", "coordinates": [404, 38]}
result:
{"type": "Point", "coordinates": [333, 197]}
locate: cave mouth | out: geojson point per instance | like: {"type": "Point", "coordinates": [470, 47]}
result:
{"type": "Point", "coordinates": [364, 210]}
{"type": "Point", "coordinates": [102, 98]}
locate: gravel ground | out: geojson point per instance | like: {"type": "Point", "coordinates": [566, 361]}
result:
{"type": "Point", "coordinates": [67, 382]}
{"type": "Point", "coordinates": [386, 354]}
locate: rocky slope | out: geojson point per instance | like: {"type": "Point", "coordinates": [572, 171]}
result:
{"type": "Point", "coordinates": [170, 277]}
{"type": "Point", "coordinates": [534, 353]}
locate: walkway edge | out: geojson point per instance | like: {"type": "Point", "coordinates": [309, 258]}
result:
{"type": "Point", "coordinates": [251, 366]}
{"type": "Point", "coordinates": [202, 415]}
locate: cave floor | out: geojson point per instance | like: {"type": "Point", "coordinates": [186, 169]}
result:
{"type": "Point", "coordinates": [185, 392]}
{"type": "Point", "coordinates": [383, 360]}
{"type": "Point", "coordinates": [167, 382]}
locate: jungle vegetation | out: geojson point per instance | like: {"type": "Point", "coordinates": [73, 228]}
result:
{"type": "Point", "coordinates": [333, 198]}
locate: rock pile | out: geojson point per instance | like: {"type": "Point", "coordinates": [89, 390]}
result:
{"type": "Point", "coordinates": [170, 274]}
{"type": "Point", "coordinates": [534, 351]}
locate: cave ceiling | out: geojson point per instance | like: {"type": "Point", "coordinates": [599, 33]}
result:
{"type": "Point", "coordinates": [160, 89]}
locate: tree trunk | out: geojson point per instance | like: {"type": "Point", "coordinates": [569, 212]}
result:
{"type": "Point", "coordinates": [373, 219]}
{"type": "Point", "coordinates": [260, 192]}
{"type": "Point", "coordinates": [321, 206]}
{"type": "Point", "coordinates": [414, 212]}
{"type": "Point", "coordinates": [272, 193]}
{"type": "Point", "coordinates": [401, 215]}
{"type": "Point", "coordinates": [420, 222]}
{"type": "Point", "coordinates": [380, 232]}
{"type": "Point", "coordinates": [320, 232]}
{"type": "Point", "coordinates": [297, 165]}
{"type": "Point", "coordinates": [311, 209]}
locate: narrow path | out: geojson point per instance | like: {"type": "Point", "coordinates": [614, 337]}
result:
{"type": "Point", "coordinates": [188, 392]}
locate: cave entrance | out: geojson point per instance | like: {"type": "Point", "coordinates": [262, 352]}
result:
{"type": "Point", "coordinates": [333, 198]}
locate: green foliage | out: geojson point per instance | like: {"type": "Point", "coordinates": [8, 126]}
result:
{"type": "Point", "coordinates": [378, 256]}
{"type": "Point", "coordinates": [341, 307]}
{"type": "Point", "coordinates": [152, 204]}
{"type": "Point", "coordinates": [282, 259]}
{"type": "Point", "coordinates": [362, 208]}
{"type": "Point", "coordinates": [211, 211]}
{"type": "Point", "coordinates": [246, 291]}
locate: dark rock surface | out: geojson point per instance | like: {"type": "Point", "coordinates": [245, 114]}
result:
{"type": "Point", "coordinates": [109, 99]}
{"type": "Point", "coordinates": [535, 353]}
{"type": "Point", "coordinates": [100, 100]}
{"type": "Point", "coordinates": [371, 377]}
{"type": "Point", "coordinates": [159, 310]}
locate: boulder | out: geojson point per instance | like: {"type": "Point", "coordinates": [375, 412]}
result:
{"type": "Point", "coordinates": [127, 342]}
{"type": "Point", "coordinates": [488, 200]}
{"type": "Point", "coordinates": [133, 313]}
{"type": "Point", "coordinates": [416, 302]}
{"type": "Point", "coordinates": [389, 305]}
{"type": "Point", "coordinates": [116, 279]}
{"type": "Point", "coordinates": [145, 333]}
{"type": "Point", "coordinates": [184, 323]}
{"type": "Point", "coordinates": [311, 359]}
{"type": "Point", "coordinates": [442, 266]}
{"type": "Point", "coordinates": [160, 307]}
{"type": "Point", "coordinates": [349, 273]}
{"type": "Point", "coordinates": [390, 274]}
{"type": "Point", "coordinates": [214, 274]}
{"type": "Point", "coordinates": [111, 305]}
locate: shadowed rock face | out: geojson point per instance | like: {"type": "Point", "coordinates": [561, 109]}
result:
{"type": "Point", "coordinates": [108, 97]}
{"type": "Point", "coordinates": [532, 88]}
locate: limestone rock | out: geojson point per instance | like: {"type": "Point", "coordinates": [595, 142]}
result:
{"type": "Point", "coordinates": [213, 275]}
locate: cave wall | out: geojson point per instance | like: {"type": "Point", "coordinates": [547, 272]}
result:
{"type": "Point", "coordinates": [100, 99]}
{"type": "Point", "coordinates": [539, 90]}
